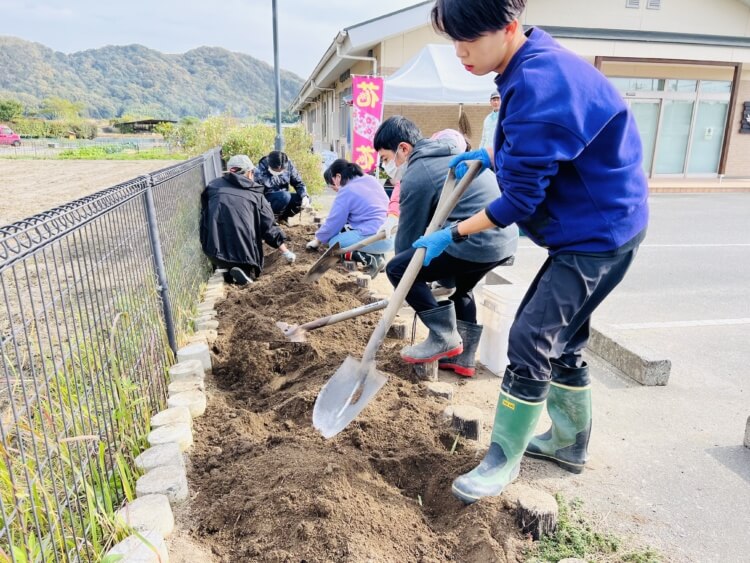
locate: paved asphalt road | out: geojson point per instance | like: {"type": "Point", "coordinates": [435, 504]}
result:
{"type": "Point", "coordinates": [668, 463]}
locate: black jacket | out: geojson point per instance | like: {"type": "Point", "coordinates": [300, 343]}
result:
{"type": "Point", "coordinates": [288, 177]}
{"type": "Point", "coordinates": [236, 219]}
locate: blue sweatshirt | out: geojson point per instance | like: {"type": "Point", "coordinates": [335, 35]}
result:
{"type": "Point", "coordinates": [362, 204]}
{"type": "Point", "coordinates": [567, 153]}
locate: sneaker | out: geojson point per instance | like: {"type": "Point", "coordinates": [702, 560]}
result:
{"type": "Point", "coordinates": [240, 277]}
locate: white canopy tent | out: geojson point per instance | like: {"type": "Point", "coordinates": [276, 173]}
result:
{"type": "Point", "coordinates": [436, 76]}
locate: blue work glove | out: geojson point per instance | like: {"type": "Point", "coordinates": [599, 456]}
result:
{"type": "Point", "coordinates": [434, 243]}
{"type": "Point", "coordinates": [461, 167]}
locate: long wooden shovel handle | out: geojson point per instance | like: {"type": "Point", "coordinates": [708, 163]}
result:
{"type": "Point", "coordinates": [346, 315]}
{"type": "Point", "coordinates": [361, 244]}
{"type": "Point", "coordinates": [444, 209]}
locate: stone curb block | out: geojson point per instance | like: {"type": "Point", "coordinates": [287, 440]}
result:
{"type": "Point", "coordinates": [134, 550]}
{"type": "Point", "coordinates": [637, 362]}
{"type": "Point", "coordinates": [156, 456]}
{"type": "Point", "coordinates": [186, 370]}
{"type": "Point", "coordinates": [209, 324]}
{"type": "Point", "coordinates": [149, 512]}
{"type": "Point", "coordinates": [176, 415]}
{"type": "Point", "coordinates": [169, 480]}
{"type": "Point", "coordinates": [467, 421]}
{"type": "Point", "coordinates": [193, 400]}
{"type": "Point", "coordinates": [194, 384]}
{"type": "Point", "coordinates": [207, 337]}
{"type": "Point", "coordinates": [441, 390]}
{"type": "Point", "coordinates": [179, 433]}
{"type": "Point", "coordinates": [198, 352]}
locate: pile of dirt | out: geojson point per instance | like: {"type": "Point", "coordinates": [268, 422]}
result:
{"type": "Point", "coordinates": [268, 487]}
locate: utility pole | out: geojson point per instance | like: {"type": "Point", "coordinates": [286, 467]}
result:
{"type": "Point", "coordinates": [278, 144]}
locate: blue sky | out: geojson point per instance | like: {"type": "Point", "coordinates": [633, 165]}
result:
{"type": "Point", "coordinates": [306, 28]}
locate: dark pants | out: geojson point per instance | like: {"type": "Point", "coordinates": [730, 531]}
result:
{"type": "Point", "coordinates": [463, 273]}
{"type": "Point", "coordinates": [251, 271]}
{"type": "Point", "coordinates": [284, 203]}
{"type": "Point", "coordinates": [554, 317]}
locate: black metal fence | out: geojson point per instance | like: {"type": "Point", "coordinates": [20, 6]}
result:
{"type": "Point", "coordinates": [94, 296]}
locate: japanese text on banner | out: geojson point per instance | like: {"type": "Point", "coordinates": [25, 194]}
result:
{"type": "Point", "coordinates": [367, 110]}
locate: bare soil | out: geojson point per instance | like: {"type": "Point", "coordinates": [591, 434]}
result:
{"type": "Point", "coordinates": [33, 186]}
{"type": "Point", "coordinates": [267, 487]}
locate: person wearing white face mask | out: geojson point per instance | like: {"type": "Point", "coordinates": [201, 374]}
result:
{"type": "Point", "coordinates": [422, 165]}
{"type": "Point", "coordinates": [277, 174]}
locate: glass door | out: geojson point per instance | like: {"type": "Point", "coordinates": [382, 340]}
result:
{"type": "Point", "coordinates": [672, 145]}
{"type": "Point", "coordinates": [708, 136]}
{"type": "Point", "coordinates": [646, 114]}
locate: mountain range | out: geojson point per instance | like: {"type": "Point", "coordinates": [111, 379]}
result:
{"type": "Point", "coordinates": [132, 79]}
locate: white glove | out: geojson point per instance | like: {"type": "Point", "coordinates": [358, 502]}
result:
{"type": "Point", "coordinates": [313, 244]}
{"type": "Point", "coordinates": [390, 225]}
{"type": "Point", "coordinates": [289, 256]}
{"type": "Point", "coordinates": [305, 202]}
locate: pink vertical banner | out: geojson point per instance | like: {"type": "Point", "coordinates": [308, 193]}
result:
{"type": "Point", "coordinates": [367, 110]}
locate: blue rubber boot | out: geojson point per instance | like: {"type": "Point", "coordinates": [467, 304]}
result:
{"type": "Point", "coordinates": [518, 409]}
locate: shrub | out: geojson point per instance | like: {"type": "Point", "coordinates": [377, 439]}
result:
{"type": "Point", "coordinates": [256, 141]}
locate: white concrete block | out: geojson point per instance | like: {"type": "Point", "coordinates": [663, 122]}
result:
{"type": "Point", "coordinates": [162, 454]}
{"type": "Point", "coordinates": [205, 315]}
{"type": "Point", "coordinates": [189, 369]}
{"type": "Point", "coordinates": [207, 336]}
{"type": "Point", "coordinates": [207, 305]}
{"type": "Point", "coordinates": [180, 433]}
{"type": "Point", "coordinates": [149, 512]}
{"type": "Point", "coordinates": [198, 352]}
{"type": "Point", "coordinates": [193, 400]}
{"type": "Point", "coordinates": [177, 415]}
{"type": "Point", "coordinates": [194, 384]}
{"type": "Point", "coordinates": [169, 480]}
{"type": "Point", "coordinates": [149, 548]}
{"type": "Point", "coordinates": [209, 324]}
{"type": "Point", "coordinates": [439, 389]}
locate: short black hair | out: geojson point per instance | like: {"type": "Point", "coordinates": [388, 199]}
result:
{"type": "Point", "coordinates": [348, 170]}
{"type": "Point", "coordinates": [395, 130]}
{"type": "Point", "coordinates": [277, 159]}
{"type": "Point", "coordinates": [467, 20]}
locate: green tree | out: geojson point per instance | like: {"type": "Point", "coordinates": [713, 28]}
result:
{"type": "Point", "coordinates": [10, 109]}
{"type": "Point", "coordinates": [60, 108]}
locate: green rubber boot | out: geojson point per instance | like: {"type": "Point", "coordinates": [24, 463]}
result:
{"type": "Point", "coordinates": [569, 407]}
{"type": "Point", "coordinates": [518, 409]}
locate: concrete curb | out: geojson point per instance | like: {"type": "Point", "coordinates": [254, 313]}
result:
{"type": "Point", "coordinates": [638, 362]}
{"type": "Point", "coordinates": [165, 479]}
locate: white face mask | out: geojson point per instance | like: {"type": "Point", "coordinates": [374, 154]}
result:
{"type": "Point", "coordinates": [394, 171]}
{"type": "Point", "coordinates": [276, 172]}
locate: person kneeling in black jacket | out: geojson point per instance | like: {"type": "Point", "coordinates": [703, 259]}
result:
{"type": "Point", "coordinates": [235, 220]}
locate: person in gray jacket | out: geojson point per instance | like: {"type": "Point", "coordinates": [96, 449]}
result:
{"type": "Point", "coordinates": [422, 166]}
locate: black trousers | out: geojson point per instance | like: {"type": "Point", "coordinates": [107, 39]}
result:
{"type": "Point", "coordinates": [554, 318]}
{"type": "Point", "coordinates": [251, 271]}
{"type": "Point", "coordinates": [464, 274]}
{"type": "Point", "coordinates": [285, 204]}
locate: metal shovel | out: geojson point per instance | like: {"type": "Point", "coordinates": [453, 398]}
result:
{"type": "Point", "coordinates": [356, 382]}
{"type": "Point", "coordinates": [331, 256]}
{"type": "Point", "coordinates": [296, 333]}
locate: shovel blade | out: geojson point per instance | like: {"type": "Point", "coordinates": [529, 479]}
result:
{"type": "Point", "coordinates": [294, 333]}
{"type": "Point", "coordinates": [336, 406]}
{"type": "Point", "coordinates": [324, 263]}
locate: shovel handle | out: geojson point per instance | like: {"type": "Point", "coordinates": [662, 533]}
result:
{"type": "Point", "coordinates": [361, 244]}
{"type": "Point", "coordinates": [445, 206]}
{"type": "Point", "coordinates": [350, 314]}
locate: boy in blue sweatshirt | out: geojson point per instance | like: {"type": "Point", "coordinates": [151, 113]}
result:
{"type": "Point", "coordinates": [567, 158]}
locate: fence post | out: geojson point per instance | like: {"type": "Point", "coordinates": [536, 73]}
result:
{"type": "Point", "coordinates": [161, 272]}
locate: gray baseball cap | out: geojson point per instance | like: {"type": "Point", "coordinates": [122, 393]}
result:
{"type": "Point", "coordinates": [241, 161]}
{"type": "Point", "coordinates": [494, 94]}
